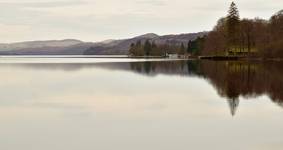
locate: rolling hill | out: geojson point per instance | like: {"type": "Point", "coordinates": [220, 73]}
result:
{"type": "Point", "coordinates": [77, 47]}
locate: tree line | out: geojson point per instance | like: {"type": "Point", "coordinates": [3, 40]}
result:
{"type": "Point", "coordinates": [248, 37]}
{"type": "Point", "coordinates": [150, 48]}
{"type": "Point", "coordinates": [232, 36]}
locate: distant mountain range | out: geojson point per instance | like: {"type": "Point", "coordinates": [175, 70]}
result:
{"type": "Point", "coordinates": [77, 47]}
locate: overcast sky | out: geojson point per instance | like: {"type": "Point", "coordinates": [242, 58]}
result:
{"type": "Point", "coordinates": [96, 20]}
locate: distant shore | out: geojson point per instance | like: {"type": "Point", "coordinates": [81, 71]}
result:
{"type": "Point", "coordinates": [216, 58]}
{"type": "Point", "coordinates": [82, 56]}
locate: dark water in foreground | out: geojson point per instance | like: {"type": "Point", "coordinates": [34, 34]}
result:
{"type": "Point", "coordinates": [153, 105]}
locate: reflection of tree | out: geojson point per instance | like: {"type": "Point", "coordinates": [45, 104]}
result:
{"type": "Point", "coordinates": [159, 67]}
{"type": "Point", "coordinates": [231, 79]}
{"type": "Point", "coordinates": [246, 79]}
{"type": "Point", "coordinates": [233, 105]}
{"type": "Point", "coordinates": [145, 67]}
{"type": "Point", "coordinates": [193, 67]}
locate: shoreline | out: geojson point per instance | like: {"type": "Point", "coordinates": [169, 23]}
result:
{"type": "Point", "coordinates": [81, 56]}
{"type": "Point", "coordinates": [215, 58]}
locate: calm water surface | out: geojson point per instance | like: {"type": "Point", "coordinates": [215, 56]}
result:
{"type": "Point", "coordinates": [122, 104]}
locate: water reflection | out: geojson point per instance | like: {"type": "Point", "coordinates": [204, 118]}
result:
{"type": "Point", "coordinates": [231, 79]}
{"type": "Point", "coordinates": [141, 105]}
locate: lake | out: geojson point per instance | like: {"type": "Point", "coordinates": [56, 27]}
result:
{"type": "Point", "coordinates": [137, 104]}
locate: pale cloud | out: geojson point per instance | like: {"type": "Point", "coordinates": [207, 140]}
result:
{"type": "Point", "coordinates": [95, 20]}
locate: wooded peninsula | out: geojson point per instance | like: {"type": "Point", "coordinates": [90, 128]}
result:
{"type": "Point", "coordinates": [231, 37]}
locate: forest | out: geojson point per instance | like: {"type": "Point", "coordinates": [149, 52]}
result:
{"type": "Point", "coordinates": [247, 37]}
{"type": "Point", "coordinates": [150, 48]}
{"type": "Point", "coordinates": [232, 36]}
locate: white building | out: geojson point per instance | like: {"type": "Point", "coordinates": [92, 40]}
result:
{"type": "Point", "coordinates": [172, 56]}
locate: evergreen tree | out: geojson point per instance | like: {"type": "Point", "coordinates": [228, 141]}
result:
{"type": "Point", "coordinates": [182, 49]}
{"type": "Point", "coordinates": [139, 49]}
{"type": "Point", "coordinates": [132, 49]}
{"type": "Point", "coordinates": [155, 50]}
{"type": "Point", "coordinates": [194, 46]}
{"type": "Point", "coordinates": [233, 22]}
{"type": "Point", "coordinates": [189, 47]}
{"type": "Point", "coordinates": [147, 48]}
